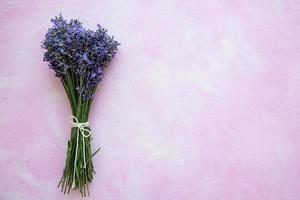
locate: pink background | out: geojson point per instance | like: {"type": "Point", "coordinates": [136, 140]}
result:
{"type": "Point", "coordinates": [202, 101]}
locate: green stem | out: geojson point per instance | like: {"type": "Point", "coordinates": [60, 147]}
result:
{"type": "Point", "coordinates": [72, 104]}
{"type": "Point", "coordinates": [80, 109]}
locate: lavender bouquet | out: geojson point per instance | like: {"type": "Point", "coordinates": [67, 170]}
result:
{"type": "Point", "coordinates": [78, 57]}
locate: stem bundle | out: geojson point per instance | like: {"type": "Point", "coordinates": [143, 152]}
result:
{"type": "Point", "coordinates": [84, 169]}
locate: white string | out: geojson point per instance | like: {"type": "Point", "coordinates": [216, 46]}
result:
{"type": "Point", "coordinates": [82, 127]}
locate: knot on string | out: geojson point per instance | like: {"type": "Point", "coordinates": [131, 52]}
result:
{"type": "Point", "coordinates": [82, 126]}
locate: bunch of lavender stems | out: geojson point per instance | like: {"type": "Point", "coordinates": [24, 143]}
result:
{"type": "Point", "coordinates": [80, 109]}
{"type": "Point", "coordinates": [78, 57]}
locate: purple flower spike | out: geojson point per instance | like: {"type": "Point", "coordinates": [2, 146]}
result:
{"type": "Point", "coordinates": [82, 51]}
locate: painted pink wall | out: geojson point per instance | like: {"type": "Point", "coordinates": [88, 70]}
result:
{"type": "Point", "coordinates": [202, 101]}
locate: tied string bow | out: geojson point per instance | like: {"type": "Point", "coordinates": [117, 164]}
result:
{"type": "Point", "coordinates": [82, 127]}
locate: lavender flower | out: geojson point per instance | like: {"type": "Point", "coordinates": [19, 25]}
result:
{"type": "Point", "coordinates": [78, 56]}
{"type": "Point", "coordinates": [83, 52]}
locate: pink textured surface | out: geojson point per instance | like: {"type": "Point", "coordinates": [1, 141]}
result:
{"type": "Point", "coordinates": [202, 101]}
